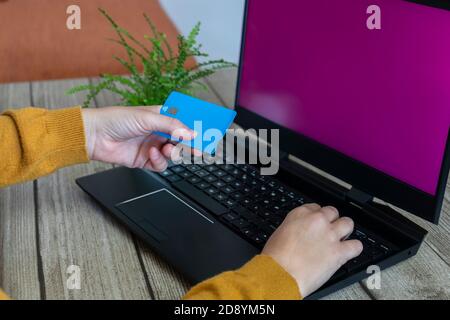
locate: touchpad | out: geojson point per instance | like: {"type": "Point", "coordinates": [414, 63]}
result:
{"type": "Point", "coordinates": [161, 213]}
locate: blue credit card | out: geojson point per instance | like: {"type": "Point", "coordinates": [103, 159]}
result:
{"type": "Point", "coordinates": [208, 120]}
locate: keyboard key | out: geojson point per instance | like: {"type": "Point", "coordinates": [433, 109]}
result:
{"type": "Point", "coordinates": [186, 174]}
{"type": "Point", "coordinates": [375, 252]}
{"type": "Point", "coordinates": [174, 178]}
{"type": "Point", "coordinates": [359, 234]}
{"type": "Point", "coordinates": [228, 167]}
{"type": "Point", "coordinates": [237, 184]}
{"type": "Point", "coordinates": [240, 223]}
{"type": "Point", "coordinates": [220, 173]}
{"type": "Point", "coordinates": [248, 232]}
{"type": "Point", "coordinates": [230, 203]}
{"type": "Point", "coordinates": [265, 214]}
{"type": "Point", "coordinates": [237, 195]}
{"type": "Point", "coordinates": [211, 190]}
{"type": "Point", "coordinates": [235, 172]}
{"type": "Point", "coordinates": [276, 221]}
{"type": "Point", "coordinates": [266, 227]}
{"type": "Point", "coordinates": [230, 217]}
{"type": "Point", "coordinates": [227, 179]}
{"type": "Point", "coordinates": [202, 185]}
{"type": "Point", "coordinates": [177, 169]}
{"type": "Point", "coordinates": [207, 202]}
{"type": "Point", "coordinates": [201, 173]}
{"type": "Point", "coordinates": [210, 178]}
{"type": "Point", "coordinates": [194, 179]}
{"type": "Point", "coordinates": [211, 168]}
{"type": "Point", "coordinates": [228, 189]}
{"type": "Point", "coordinates": [370, 241]}
{"type": "Point", "coordinates": [264, 236]}
{"type": "Point", "coordinates": [219, 184]}
{"type": "Point", "coordinates": [257, 239]}
{"type": "Point", "coordinates": [166, 173]}
{"type": "Point", "coordinates": [221, 197]}
{"type": "Point", "coordinates": [193, 167]}
{"type": "Point", "coordinates": [252, 218]}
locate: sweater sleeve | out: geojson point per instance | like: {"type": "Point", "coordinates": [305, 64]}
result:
{"type": "Point", "coordinates": [35, 142]}
{"type": "Point", "coordinates": [262, 278]}
{"type": "Point", "coordinates": [3, 296]}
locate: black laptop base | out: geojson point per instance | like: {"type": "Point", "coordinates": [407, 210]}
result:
{"type": "Point", "coordinates": [200, 237]}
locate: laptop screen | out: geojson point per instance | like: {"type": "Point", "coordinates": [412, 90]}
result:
{"type": "Point", "coordinates": [371, 83]}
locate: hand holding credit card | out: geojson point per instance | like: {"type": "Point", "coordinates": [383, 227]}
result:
{"type": "Point", "coordinates": [208, 120]}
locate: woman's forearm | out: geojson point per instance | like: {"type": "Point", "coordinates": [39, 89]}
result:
{"type": "Point", "coordinates": [259, 279]}
{"type": "Point", "coordinates": [35, 142]}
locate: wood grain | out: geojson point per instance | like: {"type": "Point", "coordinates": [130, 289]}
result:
{"type": "Point", "coordinates": [18, 250]}
{"type": "Point", "coordinates": [424, 276]}
{"type": "Point", "coordinates": [75, 231]}
{"type": "Point", "coordinates": [353, 292]}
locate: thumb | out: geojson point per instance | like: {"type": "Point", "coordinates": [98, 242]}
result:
{"type": "Point", "coordinates": [152, 121]}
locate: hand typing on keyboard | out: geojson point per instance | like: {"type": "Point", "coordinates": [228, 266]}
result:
{"type": "Point", "coordinates": [309, 245]}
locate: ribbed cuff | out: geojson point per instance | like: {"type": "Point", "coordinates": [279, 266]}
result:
{"type": "Point", "coordinates": [67, 129]}
{"type": "Point", "coordinates": [274, 282]}
{"type": "Point", "coordinates": [3, 296]}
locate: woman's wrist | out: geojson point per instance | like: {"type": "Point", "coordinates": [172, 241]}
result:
{"type": "Point", "coordinates": [88, 116]}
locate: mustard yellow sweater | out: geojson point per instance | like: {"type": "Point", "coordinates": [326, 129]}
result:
{"type": "Point", "coordinates": [35, 142]}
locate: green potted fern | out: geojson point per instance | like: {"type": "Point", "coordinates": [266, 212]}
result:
{"type": "Point", "coordinates": [163, 71]}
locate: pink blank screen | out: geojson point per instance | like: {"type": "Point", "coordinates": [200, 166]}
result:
{"type": "Point", "coordinates": [379, 96]}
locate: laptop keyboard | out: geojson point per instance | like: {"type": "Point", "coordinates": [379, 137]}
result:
{"type": "Point", "coordinates": [254, 205]}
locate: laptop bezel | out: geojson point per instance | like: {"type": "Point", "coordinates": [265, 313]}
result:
{"type": "Point", "coordinates": [361, 176]}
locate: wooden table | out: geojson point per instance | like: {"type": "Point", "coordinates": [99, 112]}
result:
{"type": "Point", "coordinates": [48, 224]}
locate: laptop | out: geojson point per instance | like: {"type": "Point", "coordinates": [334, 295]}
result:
{"type": "Point", "coordinates": [365, 101]}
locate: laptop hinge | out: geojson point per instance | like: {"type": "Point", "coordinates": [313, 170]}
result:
{"type": "Point", "coordinates": [358, 197]}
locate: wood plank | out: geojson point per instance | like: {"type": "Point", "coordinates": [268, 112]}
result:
{"type": "Point", "coordinates": [19, 275]}
{"type": "Point", "coordinates": [424, 276]}
{"type": "Point", "coordinates": [75, 231]}
{"type": "Point", "coordinates": [353, 292]}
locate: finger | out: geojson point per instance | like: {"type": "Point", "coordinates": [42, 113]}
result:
{"type": "Point", "coordinates": [157, 161]}
{"type": "Point", "coordinates": [167, 150]}
{"type": "Point", "coordinates": [302, 210]}
{"type": "Point", "coordinates": [331, 213]}
{"type": "Point", "coordinates": [350, 249]}
{"type": "Point", "coordinates": [311, 207]}
{"type": "Point", "coordinates": [151, 121]}
{"type": "Point", "coordinates": [343, 227]}
{"type": "Point", "coordinates": [155, 109]}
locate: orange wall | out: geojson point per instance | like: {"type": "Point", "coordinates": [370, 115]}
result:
{"type": "Point", "coordinates": [35, 43]}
